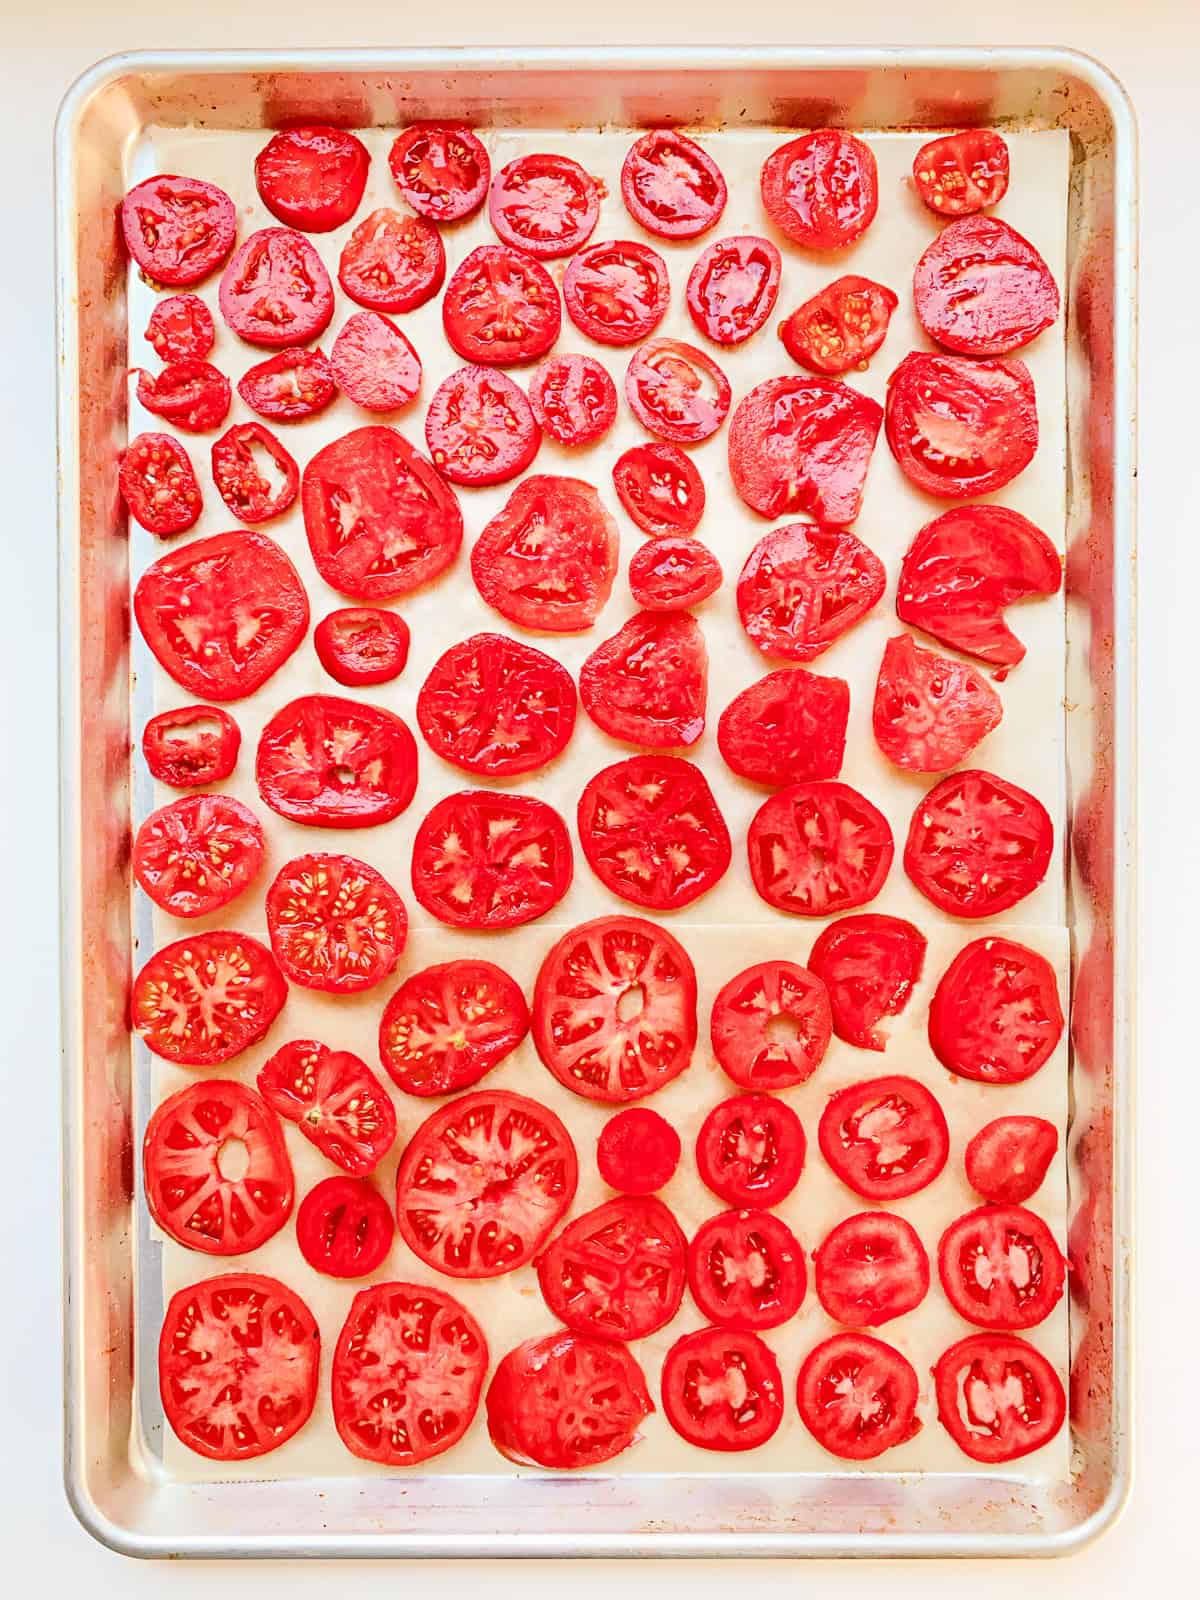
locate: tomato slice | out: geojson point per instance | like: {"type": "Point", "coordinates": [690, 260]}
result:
{"type": "Point", "coordinates": [789, 727]}
{"type": "Point", "coordinates": [672, 186]}
{"type": "Point", "coordinates": [930, 711]}
{"type": "Point", "coordinates": [722, 1390]}
{"type": "Point", "coordinates": [447, 1026]}
{"type": "Point", "coordinates": [480, 428]}
{"type": "Point", "coordinates": [566, 1401]}
{"type": "Point", "coordinates": [637, 1151]}
{"type": "Point", "coordinates": [676, 391]}
{"type": "Point", "coordinates": [441, 169]}
{"type": "Point", "coordinates": [380, 520]}
{"type": "Point", "coordinates": [361, 645]}
{"type": "Point", "coordinates": [181, 328]}
{"type": "Point", "coordinates": [252, 492]}
{"type": "Point", "coordinates": [335, 923]}
{"type": "Point", "coordinates": [733, 287]}
{"type": "Point", "coordinates": [998, 1398]}
{"type": "Point", "coordinates": [821, 189]}
{"type": "Point", "coordinates": [995, 1015]}
{"type": "Point", "coordinates": [158, 484]}
{"type": "Point", "coordinates": [192, 747]}
{"type": "Point", "coordinates": [501, 307]}
{"type": "Point", "coordinates": [660, 488]}
{"type": "Point", "coordinates": [546, 205]}
{"type": "Point", "coordinates": [1000, 1267]}
{"type": "Point", "coordinates": [344, 1228]}
{"type": "Point", "coordinates": [840, 327]}
{"type": "Point", "coordinates": [673, 574]}
{"type": "Point", "coordinates": [483, 1183]}
{"type": "Point", "coordinates": [549, 558]}
{"type": "Point", "coordinates": [858, 1396]}
{"type": "Point", "coordinates": [746, 1270]}
{"type": "Point", "coordinates": [574, 399]}
{"type": "Point", "coordinates": [960, 428]}
{"type": "Point", "coordinates": [197, 854]}
{"type": "Point", "coordinates": [982, 289]}
{"type": "Point", "coordinates": [817, 849]}
{"type": "Point", "coordinates": [964, 568]}
{"type": "Point", "coordinates": [803, 444]}
{"type": "Point", "coordinates": [871, 1268]}
{"type": "Point", "coordinates": [312, 177]}
{"type": "Point", "coordinates": [206, 998]}
{"type": "Point", "coordinates": [885, 1137]}
{"type": "Point", "coordinates": [334, 763]}
{"type": "Point", "coordinates": [335, 1099]}
{"type": "Point", "coordinates": [195, 1141]}
{"type": "Point", "coordinates": [408, 1370]}
{"type": "Point", "coordinates": [392, 262]}
{"type": "Point", "coordinates": [178, 230]}
{"type": "Point", "coordinates": [497, 707]}
{"type": "Point", "coordinates": [614, 1009]}
{"type": "Point", "coordinates": [750, 1150]}
{"type": "Point", "coordinates": [485, 859]}
{"type": "Point", "coordinates": [803, 586]}
{"type": "Point", "coordinates": [648, 684]}
{"type": "Point", "coordinates": [275, 290]}
{"type": "Point", "coordinates": [617, 1271]}
{"type": "Point", "coordinates": [961, 173]}
{"type": "Point", "coordinates": [1009, 1158]}
{"type": "Point", "coordinates": [869, 965]}
{"type": "Point", "coordinates": [238, 1361]}
{"type": "Point", "coordinates": [771, 1025]}
{"type": "Point", "coordinates": [290, 386]}
{"type": "Point", "coordinates": [191, 394]}
{"type": "Point", "coordinates": [616, 291]}
{"type": "Point", "coordinates": [977, 845]}
{"type": "Point", "coordinates": [374, 364]}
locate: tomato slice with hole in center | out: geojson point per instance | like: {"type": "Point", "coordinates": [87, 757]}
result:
{"type": "Point", "coordinates": [204, 999]}
{"type": "Point", "coordinates": [441, 169]}
{"type": "Point", "coordinates": [676, 391]}
{"type": "Point", "coordinates": [312, 176]}
{"type": "Point", "coordinates": [746, 1270]}
{"type": "Point", "coordinates": [374, 364]}
{"type": "Point", "coordinates": [194, 395]}
{"type": "Point", "coordinates": [771, 1025]}
{"type": "Point", "coordinates": [789, 727]}
{"type": "Point", "coordinates": [616, 291]}
{"type": "Point", "coordinates": [501, 307]}
{"type": "Point", "coordinates": [290, 386]}
{"type": "Point", "coordinates": [871, 1268]}
{"type": "Point", "coordinates": [447, 1026]}
{"type": "Point", "coordinates": [158, 484]}
{"type": "Point", "coordinates": [750, 1150]}
{"type": "Point", "coordinates": [930, 711]}
{"type": "Point", "coordinates": [840, 327]}
{"type": "Point", "coordinates": [671, 185]}
{"type": "Point", "coordinates": [344, 1228]}
{"type": "Point", "coordinates": [618, 1271]}
{"type": "Point", "coordinates": [819, 848]}
{"type": "Point", "coordinates": [392, 262]}
{"type": "Point", "coordinates": [334, 763]}
{"type": "Point", "coordinates": [722, 1390]}
{"type": "Point", "coordinates": [733, 287]}
{"type": "Point", "coordinates": [803, 586]}
{"type": "Point", "coordinates": [549, 558]}
{"type": "Point", "coordinates": [960, 428]}
{"type": "Point", "coordinates": [574, 399]}
{"type": "Point", "coordinates": [546, 205]}
{"type": "Point", "coordinates": [566, 1401]}
{"type": "Point", "coordinates": [335, 1100]}
{"type": "Point", "coordinates": [870, 965]}
{"type": "Point", "coordinates": [885, 1138]}
{"type": "Point", "coordinates": [659, 488]}
{"type": "Point", "coordinates": [648, 684]}
{"type": "Point", "coordinates": [982, 289]}
{"type": "Point", "coordinates": [858, 1396]}
{"type": "Point", "coordinates": [821, 189]}
{"type": "Point", "coordinates": [995, 1015]}
{"type": "Point", "coordinates": [998, 1398]}
{"type": "Point", "coordinates": [192, 747]}
{"type": "Point", "coordinates": [181, 328]}
{"type": "Point", "coordinates": [673, 574]}
{"type": "Point", "coordinates": [361, 645]}
{"type": "Point", "coordinates": [253, 492]}
{"type": "Point", "coordinates": [1000, 1267]}
{"type": "Point", "coordinates": [480, 428]}
{"type": "Point", "coordinates": [178, 230]}
{"type": "Point", "coordinates": [497, 707]}
{"type": "Point", "coordinates": [978, 845]}
{"type": "Point", "coordinates": [803, 444]}
{"type": "Point", "coordinates": [486, 859]}
{"type": "Point", "coordinates": [275, 290]}
{"type": "Point", "coordinates": [961, 173]}
{"type": "Point", "coordinates": [336, 924]}
{"type": "Point", "coordinates": [637, 1151]}
{"type": "Point", "coordinates": [1008, 1159]}
{"type": "Point", "coordinates": [197, 854]}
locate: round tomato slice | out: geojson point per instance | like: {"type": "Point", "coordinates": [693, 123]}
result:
{"type": "Point", "coordinates": [617, 1271]}
{"type": "Point", "coordinates": [884, 1138]}
{"type": "Point", "coordinates": [178, 230]}
{"type": "Point", "coordinates": [206, 998]}
{"type": "Point", "coordinates": [290, 386]}
{"type": "Point", "coordinates": [614, 1009]}
{"type": "Point", "coordinates": [407, 1374]}
{"type": "Point", "coordinates": [998, 1398]}
{"type": "Point", "coordinates": [722, 1390]}
{"type": "Point", "coordinates": [977, 845]}
{"type": "Point", "coordinates": [335, 923]}
{"type": "Point", "coordinates": [803, 586]}
{"type": "Point", "coordinates": [840, 327]}
{"type": "Point", "coordinates": [483, 1183]}
{"type": "Point", "coordinates": [574, 399]}
{"type": "Point", "coordinates": [252, 492]}
{"type": "Point", "coordinates": [960, 428]}
{"type": "Point", "coordinates": [789, 727]}
{"type": "Point", "coordinates": [733, 287]}
{"type": "Point", "coordinates": [238, 1361]}
{"type": "Point", "coordinates": [392, 262]}
{"type": "Point", "coordinates": [750, 1150]}
{"type": "Point", "coordinates": [197, 854]}
{"type": "Point", "coordinates": [485, 859]}
{"type": "Point", "coordinates": [870, 1268]}
{"type": "Point", "coordinates": [380, 520]}
{"type": "Point", "coordinates": [335, 763]}
{"type": "Point", "coordinates": [648, 684]}
{"type": "Point", "coordinates": [822, 189]}
{"type": "Point", "coordinates": [275, 290]}
{"type": "Point", "coordinates": [746, 1270]}
{"type": "Point", "coordinates": [497, 707]}
{"type": "Point", "coordinates": [995, 1015]}
{"type": "Point", "coordinates": [1008, 1160]}
{"type": "Point", "coordinates": [676, 391]}
{"type": "Point", "coordinates": [930, 711]}
{"type": "Point", "coordinates": [344, 1228]}
{"type": "Point", "coordinates": [191, 394]}
{"type": "Point", "coordinates": [335, 1099]}
{"type": "Point", "coordinates": [869, 965]}
{"type": "Point", "coordinates": [660, 489]}
{"type": "Point", "coordinates": [961, 173]}
{"type": "Point", "coordinates": [312, 177]}
{"type": "Point", "coordinates": [480, 428]}
{"type": "Point", "coordinates": [546, 205]}
{"type": "Point", "coordinates": [441, 169]}
{"type": "Point", "coordinates": [671, 186]}
{"type": "Point", "coordinates": [1000, 1267]}
{"type": "Point", "coordinates": [982, 289]}
{"type": "Point", "coordinates": [673, 574]}
{"type": "Point", "coordinates": [549, 558]}
{"type": "Point", "coordinates": [817, 849]}
{"type": "Point", "coordinates": [158, 484]}
{"type": "Point", "coordinates": [374, 364]}
{"type": "Point", "coordinates": [637, 1151]}
{"type": "Point", "coordinates": [361, 645]}
{"type": "Point", "coordinates": [181, 328]}
{"type": "Point", "coordinates": [803, 444]}
{"type": "Point", "coordinates": [449, 1025]}
{"type": "Point", "coordinates": [857, 1396]}
{"type": "Point", "coordinates": [771, 1025]}
{"type": "Point", "coordinates": [217, 1173]}
{"type": "Point", "coordinates": [501, 307]}
{"type": "Point", "coordinates": [617, 291]}
{"type": "Point", "coordinates": [566, 1401]}
{"type": "Point", "coordinates": [192, 747]}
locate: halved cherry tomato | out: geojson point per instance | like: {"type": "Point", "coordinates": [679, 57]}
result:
{"type": "Point", "coordinates": [501, 307]}
{"type": "Point", "coordinates": [566, 1401]}
{"type": "Point", "coordinates": [637, 1151]}
{"type": "Point", "coordinates": [722, 1390]}
{"type": "Point", "coordinates": [649, 682]}
{"type": "Point", "coordinates": [977, 845]}
{"type": "Point", "coordinates": [344, 1227]}
{"type": "Point", "coordinates": [733, 287]}
{"type": "Point", "coordinates": [821, 189]}
{"type": "Point", "coordinates": [178, 230]}
{"type": "Point", "coordinates": [204, 999]}
{"type": "Point", "coordinates": [392, 262]}
{"type": "Point", "coordinates": [483, 1183]}
{"type": "Point", "coordinates": [803, 444]}
{"type": "Point", "coordinates": [660, 488]}
{"type": "Point", "coordinates": [407, 1374]}
{"type": "Point", "coordinates": [574, 399]}
{"type": "Point", "coordinates": [671, 186]}
{"type": "Point", "coordinates": [1000, 1267]}
{"type": "Point", "coordinates": [275, 290]}
{"type": "Point", "coordinates": [930, 711]}
{"type": "Point", "coordinates": [374, 364]}
{"type": "Point", "coordinates": [441, 169]}
{"type": "Point", "coordinates": [336, 1101]}
{"type": "Point", "coordinates": [335, 923]}
{"type": "Point", "coordinates": [362, 645]}
{"type": "Point", "coordinates": [1008, 1160]}
{"type": "Point", "coordinates": [496, 706]}
{"type": "Point", "coordinates": [197, 1139]}
{"type": "Point", "coordinates": [192, 747]}
{"type": "Point", "coordinates": [676, 391]}
{"type": "Point", "coordinates": [181, 328]}
{"type": "Point", "coordinates": [544, 204]}
{"type": "Point", "coordinates": [803, 586]}
{"type": "Point", "coordinates": [840, 327]}
{"type": "Point", "coordinates": [673, 574]}
{"type": "Point", "coordinates": [746, 1270]}
{"type": "Point", "coordinates": [750, 1150]}
{"type": "Point", "coordinates": [614, 1009]}
{"type": "Point", "coordinates": [960, 428]}
{"type": "Point", "coordinates": [995, 1016]}
{"type": "Point", "coordinates": [885, 1137]}
{"type": "Point", "coordinates": [789, 727]}
{"type": "Point", "coordinates": [549, 558]}
{"type": "Point", "coordinates": [447, 1026]}
{"type": "Point", "coordinates": [998, 1398]}
{"type": "Point", "coordinates": [618, 1271]}
{"type": "Point", "coordinates": [191, 394]}
{"type": "Point", "coordinates": [819, 848]}
{"type": "Point", "coordinates": [334, 763]}
{"type": "Point", "coordinates": [158, 484]}
{"type": "Point", "coordinates": [858, 1396]}
{"type": "Point", "coordinates": [312, 177]}
{"type": "Point", "coordinates": [485, 859]}
{"type": "Point", "coordinates": [870, 1268]}
{"type": "Point", "coordinates": [771, 1025]}
{"type": "Point", "coordinates": [870, 965]}
{"type": "Point", "coordinates": [197, 854]}
{"type": "Point", "coordinates": [290, 386]}
{"type": "Point", "coordinates": [246, 489]}
{"type": "Point", "coordinates": [238, 1360]}
{"type": "Point", "coordinates": [962, 172]}
{"type": "Point", "coordinates": [982, 289]}
{"type": "Point", "coordinates": [616, 291]}
{"type": "Point", "coordinates": [480, 428]}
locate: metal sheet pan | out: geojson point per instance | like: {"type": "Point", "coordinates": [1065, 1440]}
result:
{"type": "Point", "coordinates": [116, 1488]}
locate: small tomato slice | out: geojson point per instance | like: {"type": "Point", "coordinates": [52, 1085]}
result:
{"type": "Point", "coordinates": [441, 169]}
{"type": "Point", "coordinates": [158, 484]}
{"type": "Point", "coordinates": [312, 177]}
{"type": "Point", "coordinates": [566, 1401]}
{"type": "Point", "coordinates": [789, 727]}
{"type": "Point", "coordinates": [722, 1390]}
{"type": "Point", "coordinates": [821, 189]}
{"type": "Point", "coordinates": [660, 489]}
{"type": "Point", "coordinates": [192, 747]}
{"type": "Point", "coordinates": [617, 291]}
{"type": "Point", "coordinates": [648, 684]}
{"type": "Point", "coordinates": [480, 428]}
{"type": "Point", "coordinates": [870, 1268]}
{"type": "Point", "coordinates": [549, 558]}
{"type": "Point", "coordinates": [885, 1138]}
{"type": "Point", "coordinates": [858, 1396]}
{"type": "Point", "coordinates": [930, 711]}
{"type": "Point", "coordinates": [771, 1025]}
{"type": "Point", "coordinates": [197, 854]}
{"type": "Point", "coordinates": [178, 230]}
{"type": "Point", "coordinates": [497, 707]}
{"type": "Point", "coordinates": [803, 586]}
{"type": "Point", "coordinates": [447, 1026]}
{"type": "Point", "coordinates": [1000, 1267]}
{"type": "Point", "coordinates": [733, 287]}
{"type": "Point", "coordinates": [982, 289]}
{"type": "Point", "coordinates": [335, 1100]}
{"type": "Point", "coordinates": [803, 444]}
{"type": "Point", "coordinates": [334, 763]}
{"type": "Point", "coordinates": [961, 173]}
{"type": "Point", "coordinates": [637, 1151]}
{"type": "Point", "coordinates": [617, 1271]}
{"type": "Point", "coordinates": [275, 290]}
{"type": "Point", "coordinates": [501, 307]}
{"type": "Point", "coordinates": [362, 645]}
{"type": "Point", "coordinates": [574, 399]}
{"type": "Point", "coordinates": [998, 1398]}
{"type": "Point", "coordinates": [181, 328]}
{"type": "Point", "coordinates": [746, 1270]}
{"type": "Point", "coordinates": [672, 186]}
{"type": "Point", "coordinates": [546, 205]}
{"type": "Point", "coordinates": [750, 1150]}
{"type": "Point", "coordinates": [1009, 1158]}
{"type": "Point", "coordinates": [673, 574]}
{"type": "Point", "coordinates": [252, 492]}
{"type": "Point", "coordinates": [191, 394]}
{"type": "Point", "coordinates": [819, 848]}
{"type": "Point", "coordinates": [335, 923]}
{"type": "Point", "coordinates": [995, 1016]}
{"type": "Point", "coordinates": [374, 364]}
{"type": "Point", "coordinates": [290, 386]}
{"type": "Point", "coordinates": [392, 262]}
{"type": "Point", "coordinates": [344, 1228]}
{"type": "Point", "coordinates": [960, 428]}
{"type": "Point", "coordinates": [869, 965]}
{"type": "Point", "coordinates": [676, 391]}
{"type": "Point", "coordinates": [840, 327]}
{"type": "Point", "coordinates": [486, 859]}
{"type": "Point", "coordinates": [204, 999]}
{"type": "Point", "coordinates": [978, 845]}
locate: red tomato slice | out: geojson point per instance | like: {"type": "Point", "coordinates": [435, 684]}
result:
{"type": "Point", "coordinates": [660, 488]}
{"type": "Point", "coordinates": [197, 854]}
{"type": "Point", "coordinates": [982, 289]}
{"type": "Point", "coordinates": [857, 1396]}
{"type": "Point", "coordinates": [930, 711]}
{"type": "Point", "coordinates": [195, 1141]}
{"type": "Point", "coordinates": [480, 428]}
{"type": "Point", "coordinates": [998, 1398]}
{"type": "Point", "coordinates": [178, 230]}
{"type": "Point", "coordinates": [637, 1151]}
{"type": "Point", "coordinates": [870, 1268]}
{"type": "Point", "coordinates": [191, 394]}
{"type": "Point", "coordinates": [361, 645]}
{"type": "Point", "coordinates": [817, 849]}
{"type": "Point", "coordinates": [733, 287]}
{"type": "Point", "coordinates": [335, 1099]}
{"type": "Point", "coordinates": [676, 391]}
{"type": "Point", "coordinates": [192, 747]}
{"type": "Point", "coordinates": [822, 189]}
{"type": "Point", "coordinates": [312, 177]}
{"type": "Point", "coordinates": [181, 328]}
{"type": "Point", "coordinates": [441, 169]}
{"type": "Point", "coordinates": [497, 707]}
{"type": "Point", "coordinates": [549, 558]}
{"type": "Point", "coordinates": [566, 1401]}
{"type": "Point", "coordinates": [721, 1389]}
{"type": "Point", "coordinates": [995, 1015]}
{"type": "Point", "coordinates": [407, 1374]}
{"type": "Point", "coordinates": [962, 172]}
{"type": "Point", "coordinates": [789, 727]}
{"type": "Point", "coordinates": [614, 1009]}
{"type": "Point", "coordinates": [617, 1271]}
{"type": "Point", "coordinates": [380, 520]}
{"type": "Point", "coordinates": [977, 845]}
{"type": "Point", "coordinates": [1009, 1158]}
{"type": "Point", "coordinates": [1000, 1267]}
{"type": "Point", "coordinates": [617, 291]}
{"type": "Point", "coordinates": [870, 965]}
{"type": "Point", "coordinates": [158, 484]}
{"type": "Point", "coordinates": [840, 327]}
{"type": "Point", "coordinates": [206, 998]}
{"type": "Point", "coordinates": [483, 1183]}
{"type": "Point", "coordinates": [961, 428]}
{"type": "Point", "coordinates": [771, 1025]}
{"type": "Point", "coordinates": [374, 364]}
{"type": "Point", "coordinates": [335, 763]}
{"type": "Point", "coordinates": [574, 399]}
{"type": "Point", "coordinates": [501, 307]}
{"type": "Point", "coordinates": [335, 923]}
{"type": "Point", "coordinates": [746, 1270]}
{"type": "Point", "coordinates": [885, 1137]}
{"type": "Point", "coordinates": [648, 684]}
{"type": "Point", "coordinates": [803, 586]}
{"type": "Point", "coordinates": [546, 205]}
{"type": "Point", "coordinates": [750, 1150]}
{"type": "Point", "coordinates": [673, 574]}
{"type": "Point", "coordinates": [392, 262]}
{"type": "Point", "coordinates": [671, 186]}
{"type": "Point", "coordinates": [344, 1228]}
{"type": "Point", "coordinates": [485, 859]}
{"type": "Point", "coordinates": [449, 1025]}
{"type": "Point", "coordinates": [290, 386]}
{"type": "Point", "coordinates": [803, 444]}
{"type": "Point", "coordinates": [252, 492]}
{"type": "Point", "coordinates": [238, 1360]}
{"type": "Point", "coordinates": [275, 290]}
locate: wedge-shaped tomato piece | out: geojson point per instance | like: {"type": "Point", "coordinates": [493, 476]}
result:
{"type": "Point", "coordinates": [480, 428]}
{"type": "Point", "coordinates": [336, 924]}
{"type": "Point", "coordinates": [441, 169]}
{"type": "Point", "coordinates": [181, 328]}
{"type": "Point", "coordinates": [191, 747]}
{"type": "Point", "coordinates": [771, 1025]}
{"type": "Point", "coordinates": [733, 287]}
{"type": "Point", "coordinates": [869, 965]}
{"type": "Point", "coordinates": [374, 364]}
{"type": "Point", "coordinates": [803, 444]}
{"type": "Point", "coordinates": [676, 391]}
{"type": "Point", "coordinates": [336, 1101]}
{"type": "Point", "coordinates": [544, 204]}
{"type": "Point", "coordinates": [822, 189]}
{"type": "Point", "coordinates": [178, 230]}
{"type": "Point", "coordinates": [961, 173]}
{"type": "Point", "coordinates": [840, 327]}
{"type": "Point", "coordinates": [1000, 1267]}
{"type": "Point", "coordinates": [1009, 1158]}
{"type": "Point", "coordinates": [637, 1151]}
{"type": "Point", "coordinates": [446, 1026]}
{"type": "Point", "coordinates": [995, 1015]}
{"type": "Point", "coordinates": [566, 1401]}
{"type": "Point", "coordinates": [501, 307]}
{"type": "Point", "coordinates": [789, 727]}
{"type": "Point", "coordinates": [750, 1150]}
{"type": "Point", "coordinates": [746, 1270]}
{"type": "Point", "coordinates": [671, 185]}
{"type": "Point", "coordinates": [204, 999]}
{"type": "Point", "coordinates": [885, 1138]}
{"type": "Point", "coordinates": [344, 1228]}
{"type": "Point", "coordinates": [290, 386]}
{"type": "Point", "coordinates": [618, 1271]}
{"type": "Point", "coordinates": [673, 574]}
{"type": "Point", "coordinates": [497, 707]}
{"type": "Point", "coordinates": [803, 586]}
{"type": "Point", "coordinates": [977, 844]}
{"type": "Point", "coordinates": [616, 292]}
{"type": "Point", "coordinates": [275, 290]}
{"type": "Point", "coordinates": [549, 558]}
{"type": "Point", "coordinates": [334, 763]}
{"type": "Point", "coordinates": [858, 1396]}
{"type": "Point", "coordinates": [574, 399]}
{"type": "Point", "coordinates": [194, 395]}
{"type": "Point", "coordinates": [648, 684]}
{"type": "Point", "coordinates": [312, 176]}
{"type": "Point", "coordinates": [870, 1268]}
{"type": "Point", "coordinates": [998, 1398]}
{"type": "Point", "coordinates": [158, 484]}
{"type": "Point", "coordinates": [960, 428]}
{"type": "Point", "coordinates": [819, 848]}
{"type": "Point", "coordinates": [660, 488]}
{"type": "Point", "coordinates": [982, 289]}
{"type": "Point", "coordinates": [722, 1389]}
{"type": "Point", "coordinates": [486, 859]}
{"type": "Point", "coordinates": [392, 262]}
{"type": "Point", "coordinates": [197, 854]}
{"type": "Point", "coordinates": [250, 493]}
{"type": "Point", "coordinates": [930, 711]}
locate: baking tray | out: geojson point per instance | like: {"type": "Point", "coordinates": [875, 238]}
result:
{"type": "Point", "coordinates": [112, 1482]}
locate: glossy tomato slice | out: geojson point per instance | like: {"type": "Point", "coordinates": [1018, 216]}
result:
{"type": "Point", "coordinates": [566, 1401]}
{"type": "Point", "coordinates": [158, 484]}
{"type": "Point", "coordinates": [178, 230]}
{"type": "Point", "coordinates": [549, 558]}
{"type": "Point", "coordinates": [637, 1151]}
{"type": "Point", "coordinates": [192, 747]}
{"type": "Point", "coordinates": [574, 399]}
{"type": "Point", "coordinates": [380, 520]}
{"type": "Point", "coordinates": [290, 386]}
{"type": "Point", "coordinates": [335, 1099]}
{"type": "Point", "coordinates": [238, 1360]}
{"type": "Point", "coordinates": [441, 169]}
{"type": "Point", "coordinates": [746, 1270]}
{"type": "Point", "coordinates": [546, 205]}
{"type": "Point", "coordinates": [789, 727]}
{"type": "Point", "coordinates": [673, 574]}
{"type": "Point", "coordinates": [480, 428]}
{"type": "Point", "coordinates": [722, 1390]}
{"type": "Point", "coordinates": [204, 999]}
{"type": "Point", "coordinates": [870, 1268]}
{"type": "Point", "coordinates": [617, 1271]}
{"type": "Point", "coordinates": [819, 848]}
{"type": "Point", "coordinates": [671, 186]}
{"type": "Point", "coordinates": [977, 845]}
{"type": "Point", "coordinates": [750, 1150]}
{"type": "Point", "coordinates": [803, 586]}
{"type": "Point", "coordinates": [982, 289]}
{"type": "Point", "coordinates": [485, 859]}
{"type": "Point", "coordinates": [483, 1183]}
{"type": "Point", "coordinates": [497, 707]}
{"type": "Point", "coordinates": [1000, 1267]}
{"type": "Point", "coordinates": [392, 262]}
{"type": "Point", "coordinates": [771, 1025]}
{"type": "Point", "coordinates": [217, 1173]}
{"type": "Point", "coordinates": [930, 711]}
{"type": "Point", "coordinates": [361, 645]}
{"type": "Point", "coordinates": [998, 1398]}
{"type": "Point", "coordinates": [197, 854]}
{"type": "Point", "coordinates": [447, 1026]}
{"type": "Point", "coordinates": [616, 291]}
{"type": "Point", "coordinates": [614, 1009]}
{"type": "Point", "coordinates": [822, 189]}
{"type": "Point", "coordinates": [648, 684]}
{"type": "Point", "coordinates": [858, 1396]}
{"type": "Point", "coordinates": [252, 492]}
{"type": "Point", "coordinates": [961, 428]}
{"type": "Point", "coordinates": [676, 391]}
{"type": "Point", "coordinates": [840, 327]}
{"type": "Point", "coordinates": [275, 290]}
{"type": "Point", "coordinates": [335, 923]}
{"type": "Point", "coordinates": [733, 287]}
{"type": "Point", "coordinates": [181, 328]}
{"type": "Point", "coordinates": [344, 1228]}
{"type": "Point", "coordinates": [660, 488]}
{"type": "Point", "coordinates": [1009, 1158]}
{"type": "Point", "coordinates": [995, 1015]}
{"type": "Point", "coordinates": [501, 307]}
{"type": "Point", "coordinates": [407, 1374]}
{"type": "Point", "coordinates": [335, 763]}
{"type": "Point", "coordinates": [312, 177]}
{"type": "Point", "coordinates": [374, 364]}
{"type": "Point", "coordinates": [191, 394]}
{"type": "Point", "coordinates": [869, 965]}
{"type": "Point", "coordinates": [803, 444]}
{"type": "Point", "coordinates": [885, 1137]}
{"type": "Point", "coordinates": [962, 172]}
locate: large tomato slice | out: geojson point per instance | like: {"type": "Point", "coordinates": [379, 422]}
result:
{"type": "Point", "coordinates": [483, 1183]}
{"type": "Point", "coordinates": [746, 1270]}
{"type": "Point", "coordinates": [617, 1271]}
{"type": "Point", "coordinates": [840, 327]}
{"type": "Point", "coordinates": [565, 1401]}
{"type": "Point", "coordinates": [178, 229]}
{"type": "Point", "coordinates": [158, 484]}
{"type": "Point", "coordinates": [486, 859]}
{"type": "Point", "coordinates": [789, 727]}
{"type": "Point", "coordinates": [885, 1138]}
{"type": "Point", "coordinates": [497, 707]}
{"type": "Point", "coordinates": [374, 364]}
{"type": "Point", "coordinates": [803, 586]}
{"type": "Point", "coordinates": [858, 1396]}
{"type": "Point", "coordinates": [197, 854]}
{"type": "Point", "coordinates": [275, 290]}
{"type": "Point", "coordinates": [998, 1398]}
{"type": "Point", "coordinates": [501, 307]}
{"type": "Point", "coordinates": [733, 287]}
{"type": "Point", "coordinates": [870, 1268]}
{"type": "Point", "coordinates": [649, 682]}
{"type": "Point", "coordinates": [821, 189]}
{"type": "Point", "coordinates": [930, 711]}
{"type": "Point", "coordinates": [982, 289]}
{"type": "Point", "coordinates": [961, 173]}
{"type": "Point", "coordinates": [673, 574]}
{"type": "Point", "coordinates": [344, 1228]}
{"type": "Point", "coordinates": [335, 1100]}
{"type": "Point", "coordinates": [446, 1026]}
{"type": "Point", "coordinates": [819, 848]}
{"type": "Point", "coordinates": [392, 262]}
{"type": "Point", "coordinates": [995, 1015]}
{"type": "Point", "coordinates": [335, 923]}
{"type": "Point", "coordinates": [771, 1025]}
{"type": "Point", "coordinates": [960, 428]}
{"type": "Point", "coordinates": [803, 444]}
{"type": "Point", "coordinates": [204, 999]}
{"type": "Point", "coordinates": [312, 177]}
{"type": "Point", "coordinates": [334, 763]}
{"type": "Point", "coordinates": [616, 292]}
{"type": "Point", "coordinates": [722, 1390]}
{"type": "Point", "coordinates": [1000, 1267]}
{"type": "Point", "coordinates": [549, 558]}
{"type": "Point", "coordinates": [869, 965]}
{"type": "Point", "coordinates": [574, 399]}
{"type": "Point", "coordinates": [676, 391]}
{"type": "Point", "coordinates": [1009, 1158]}
{"type": "Point", "coordinates": [441, 169]}
{"type": "Point", "coordinates": [480, 428]}
{"type": "Point", "coordinates": [191, 747]}
{"type": "Point", "coordinates": [672, 186]}
{"type": "Point", "coordinates": [181, 328]}
{"type": "Point", "coordinates": [290, 386]}
{"type": "Point", "coordinates": [750, 1150]}
{"type": "Point", "coordinates": [248, 491]}
{"type": "Point", "coordinates": [544, 204]}
{"type": "Point", "coordinates": [660, 488]}
{"type": "Point", "coordinates": [977, 845]}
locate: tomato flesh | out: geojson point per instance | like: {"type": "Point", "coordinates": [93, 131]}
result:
{"type": "Point", "coordinates": [566, 1401]}
{"type": "Point", "coordinates": [178, 230]}
{"type": "Point", "coordinates": [930, 711]}
{"type": "Point", "coordinates": [617, 1271]}
{"type": "Point", "coordinates": [648, 684]}
{"type": "Point", "coordinates": [822, 189]}
{"type": "Point", "coordinates": [871, 1268]}
{"type": "Point", "coordinates": [197, 854]}
{"type": "Point", "coordinates": [961, 173]}
{"type": "Point", "coordinates": [335, 1100]}
{"type": "Point", "coordinates": [884, 1138]}
{"type": "Point", "coordinates": [362, 645]}
{"type": "Point", "coordinates": [549, 558]}
{"type": "Point", "coordinates": [960, 428]}
{"type": "Point", "coordinates": [733, 287]}
{"type": "Point", "coordinates": [722, 1389]}
{"type": "Point", "coordinates": [290, 386]}
{"type": "Point", "coordinates": [191, 394]}
{"type": "Point", "coordinates": [485, 859]}
{"type": "Point", "coordinates": [789, 727]}
{"type": "Point", "coordinates": [204, 999]}
{"type": "Point", "coordinates": [803, 586]}
{"type": "Point", "coordinates": [441, 169]}
{"type": "Point", "coordinates": [771, 1025]}
{"type": "Point", "coordinates": [335, 763]}
{"type": "Point", "coordinates": [995, 1015]}
{"type": "Point", "coordinates": [998, 1398]}
{"type": "Point", "coordinates": [336, 924]}
{"type": "Point", "coordinates": [671, 574]}
{"type": "Point", "coordinates": [312, 177]}
{"type": "Point", "coordinates": [275, 290]}
{"type": "Point", "coordinates": [637, 1151]}
{"type": "Point", "coordinates": [857, 1396]}
{"type": "Point", "coordinates": [982, 289]}
{"type": "Point", "coordinates": [840, 327]}
{"type": "Point", "coordinates": [158, 485]}
{"type": "Point", "coordinates": [574, 399]}
{"type": "Point", "coordinates": [546, 205]}
{"type": "Point", "coordinates": [181, 328]}
{"type": "Point", "coordinates": [250, 493]}
{"type": "Point", "coordinates": [870, 965]}
{"type": "Point", "coordinates": [392, 262]}
{"type": "Point", "coordinates": [803, 444]}
{"type": "Point", "coordinates": [660, 489]}
{"type": "Point", "coordinates": [978, 845]}
{"type": "Point", "coordinates": [616, 292]}
{"type": "Point", "coordinates": [819, 848]}
{"type": "Point", "coordinates": [1008, 1160]}
{"type": "Point", "coordinates": [192, 747]}
{"type": "Point", "coordinates": [1000, 1267]}
{"type": "Point", "coordinates": [501, 307]}
{"type": "Point", "coordinates": [676, 391]}
{"type": "Point", "coordinates": [746, 1270]}
{"type": "Point", "coordinates": [447, 1026]}
{"type": "Point", "coordinates": [344, 1228]}
{"type": "Point", "coordinates": [671, 185]}
{"type": "Point", "coordinates": [750, 1150]}
{"type": "Point", "coordinates": [374, 364]}
{"type": "Point", "coordinates": [480, 428]}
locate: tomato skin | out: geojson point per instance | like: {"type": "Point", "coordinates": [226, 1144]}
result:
{"type": "Point", "coordinates": [335, 1100]}
{"type": "Point", "coordinates": [852, 1425]}
{"type": "Point", "coordinates": [244, 489]}
{"type": "Point", "coordinates": [312, 177]}
{"type": "Point", "coordinates": [721, 1389]}
{"type": "Point", "coordinates": [671, 574]}
{"type": "Point", "coordinates": [441, 169]}
{"type": "Point", "coordinates": [975, 1381]}
{"type": "Point", "coordinates": [486, 859]}
{"type": "Point", "coordinates": [894, 1117]}
{"type": "Point", "coordinates": [501, 307]}
{"type": "Point", "coordinates": [840, 327]}
{"type": "Point", "coordinates": [960, 428]}
{"type": "Point", "coordinates": [541, 1390]}
{"type": "Point", "coordinates": [930, 711]}
{"type": "Point", "coordinates": [193, 395]}
{"type": "Point", "coordinates": [362, 645]}
{"type": "Point", "coordinates": [334, 763]}
{"type": "Point", "coordinates": [671, 185]}
{"type": "Point", "coordinates": [869, 965]}
{"type": "Point", "coordinates": [163, 235]}
{"type": "Point", "coordinates": [561, 524]}
{"type": "Point", "coordinates": [637, 1151]}
{"type": "Point", "coordinates": [961, 173]}
{"type": "Point", "coordinates": [616, 292]}
{"type": "Point", "coordinates": [447, 1026]}
{"type": "Point", "coordinates": [660, 488]}
{"type": "Point", "coordinates": [374, 364]}
{"type": "Point", "coordinates": [618, 1271]}
{"type": "Point", "coordinates": [392, 262]}
{"type": "Point", "coordinates": [1000, 1267]}
{"type": "Point", "coordinates": [801, 842]}
{"type": "Point", "coordinates": [344, 1228]}
{"type": "Point", "coordinates": [546, 205]}
{"type": "Point", "coordinates": [158, 485]}
{"type": "Point", "coordinates": [803, 444]}
{"type": "Point", "coordinates": [742, 1017]}
{"type": "Point", "coordinates": [746, 1270]}
{"type": "Point", "coordinates": [750, 1150]}
{"type": "Point", "coordinates": [242, 992]}
{"type": "Point", "coordinates": [290, 386]}
{"type": "Point", "coordinates": [648, 684]}
{"type": "Point", "coordinates": [197, 854]}
{"type": "Point", "coordinates": [676, 391]}
{"type": "Point", "coordinates": [978, 845]}
{"type": "Point", "coordinates": [1008, 1159]}
{"type": "Point", "coordinates": [480, 428]}
{"type": "Point", "coordinates": [803, 586]}
{"type": "Point", "coordinates": [275, 290]}
{"type": "Point", "coordinates": [733, 287]}
{"type": "Point", "coordinates": [982, 289]}
{"type": "Point", "coordinates": [821, 189]}
{"type": "Point", "coordinates": [495, 706]}
{"type": "Point", "coordinates": [871, 1268]}
{"type": "Point", "coordinates": [995, 1016]}
{"type": "Point", "coordinates": [181, 328]}
{"type": "Point", "coordinates": [192, 747]}
{"type": "Point", "coordinates": [573, 399]}
{"type": "Point", "coordinates": [789, 727]}
{"type": "Point", "coordinates": [335, 924]}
